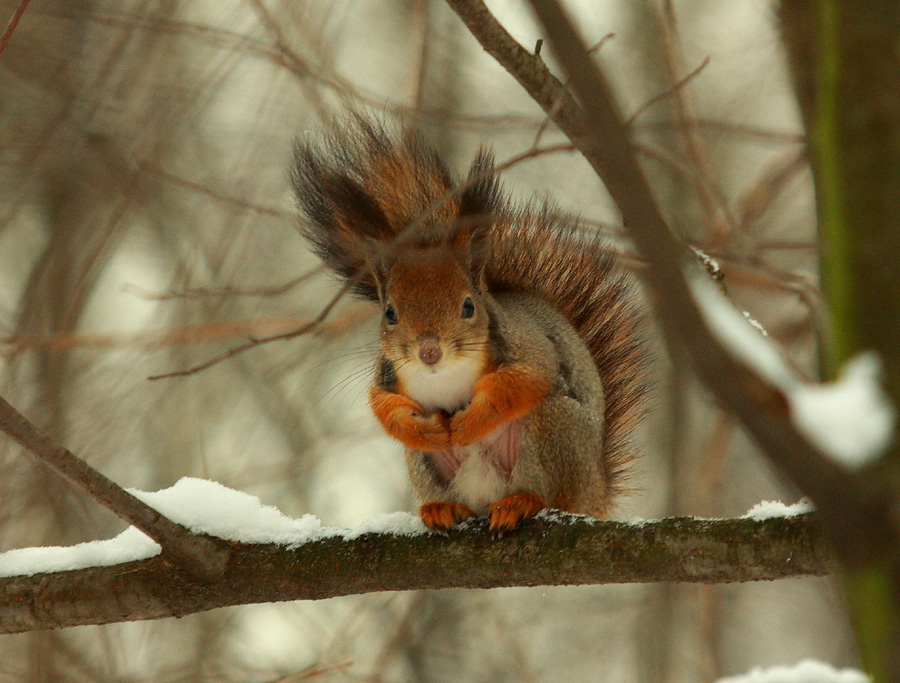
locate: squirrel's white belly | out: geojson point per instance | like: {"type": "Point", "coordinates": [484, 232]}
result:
{"type": "Point", "coordinates": [478, 482]}
{"type": "Point", "coordinates": [481, 474]}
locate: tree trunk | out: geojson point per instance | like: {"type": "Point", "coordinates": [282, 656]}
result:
{"type": "Point", "coordinates": [847, 69]}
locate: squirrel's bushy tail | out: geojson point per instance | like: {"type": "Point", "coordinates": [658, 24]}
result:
{"type": "Point", "coordinates": [360, 185]}
{"type": "Point", "coordinates": [535, 252]}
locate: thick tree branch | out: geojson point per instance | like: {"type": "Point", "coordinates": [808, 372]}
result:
{"type": "Point", "coordinates": [196, 555]}
{"type": "Point", "coordinates": [857, 517]}
{"type": "Point", "coordinates": [568, 551]}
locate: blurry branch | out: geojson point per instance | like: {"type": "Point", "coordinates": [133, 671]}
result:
{"type": "Point", "coordinates": [755, 201]}
{"type": "Point", "coordinates": [754, 133]}
{"type": "Point", "coordinates": [202, 189]}
{"type": "Point", "coordinates": [11, 26]}
{"type": "Point", "coordinates": [174, 336]}
{"type": "Point", "coordinates": [309, 327]}
{"type": "Point", "coordinates": [194, 555]}
{"type": "Point", "coordinates": [711, 196]}
{"type": "Point", "coordinates": [569, 551]}
{"type": "Point", "coordinates": [422, 21]}
{"type": "Point", "coordinates": [203, 293]}
{"type": "Point", "coordinates": [668, 93]}
{"type": "Point", "coordinates": [857, 515]}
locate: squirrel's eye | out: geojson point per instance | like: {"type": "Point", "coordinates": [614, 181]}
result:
{"type": "Point", "coordinates": [468, 308]}
{"type": "Point", "coordinates": [390, 315]}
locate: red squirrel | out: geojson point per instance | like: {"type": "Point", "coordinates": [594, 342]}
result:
{"type": "Point", "coordinates": [511, 365]}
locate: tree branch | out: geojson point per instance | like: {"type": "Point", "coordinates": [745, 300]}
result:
{"type": "Point", "coordinates": [11, 25]}
{"type": "Point", "coordinates": [196, 555]}
{"type": "Point", "coordinates": [569, 550]}
{"type": "Point", "coordinates": [857, 517]}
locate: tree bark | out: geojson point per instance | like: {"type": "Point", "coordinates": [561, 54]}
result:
{"type": "Point", "coordinates": [568, 550]}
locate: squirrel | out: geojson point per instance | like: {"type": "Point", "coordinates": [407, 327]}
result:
{"type": "Point", "coordinates": [511, 364]}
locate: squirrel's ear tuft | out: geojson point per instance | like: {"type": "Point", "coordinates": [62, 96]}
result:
{"type": "Point", "coordinates": [482, 194]}
{"type": "Point", "coordinates": [479, 203]}
{"type": "Point", "coordinates": [378, 263]}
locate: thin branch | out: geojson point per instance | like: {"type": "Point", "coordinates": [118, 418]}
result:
{"type": "Point", "coordinates": [197, 555]}
{"type": "Point", "coordinates": [596, 47]}
{"type": "Point", "coordinates": [202, 293]}
{"type": "Point", "coordinates": [858, 519]}
{"type": "Point", "coordinates": [754, 133]}
{"type": "Point", "coordinates": [309, 327]}
{"type": "Point", "coordinates": [760, 195]}
{"type": "Point", "coordinates": [711, 196]}
{"type": "Point", "coordinates": [571, 550]}
{"type": "Point", "coordinates": [218, 196]}
{"type": "Point", "coordinates": [175, 336]}
{"type": "Point", "coordinates": [11, 26]}
{"type": "Point", "coordinates": [667, 93]}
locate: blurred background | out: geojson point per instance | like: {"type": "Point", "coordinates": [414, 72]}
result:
{"type": "Point", "coordinates": [146, 226]}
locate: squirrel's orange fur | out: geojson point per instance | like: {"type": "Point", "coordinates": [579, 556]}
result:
{"type": "Point", "coordinates": [510, 363]}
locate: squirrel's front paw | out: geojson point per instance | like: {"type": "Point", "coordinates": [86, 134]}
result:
{"type": "Point", "coordinates": [406, 421]}
{"type": "Point", "coordinates": [509, 512]}
{"type": "Point", "coordinates": [423, 432]}
{"type": "Point", "coordinates": [443, 516]}
{"type": "Point", "coordinates": [471, 424]}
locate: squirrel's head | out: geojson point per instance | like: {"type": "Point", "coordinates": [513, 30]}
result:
{"type": "Point", "coordinates": [434, 325]}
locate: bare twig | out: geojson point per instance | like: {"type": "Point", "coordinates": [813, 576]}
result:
{"type": "Point", "coordinates": [570, 551]}
{"type": "Point", "coordinates": [754, 133]}
{"type": "Point", "coordinates": [11, 26]}
{"type": "Point", "coordinates": [713, 199]}
{"type": "Point", "coordinates": [197, 555]}
{"type": "Point", "coordinates": [202, 293]}
{"type": "Point", "coordinates": [600, 43]}
{"type": "Point", "coordinates": [203, 189]}
{"type": "Point", "coordinates": [174, 336]}
{"type": "Point", "coordinates": [667, 93]}
{"type": "Point", "coordinates": [300, 331]}
{"type": "Point", "coordinates": [759, 197]}
{"type": "Point", "coordinates": [422, 17]}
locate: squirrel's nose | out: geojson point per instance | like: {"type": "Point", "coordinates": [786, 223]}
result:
{"type": "Point", "coordinates": [430, 350]}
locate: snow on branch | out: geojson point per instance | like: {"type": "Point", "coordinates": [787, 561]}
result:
{"type": "Point", "coordinates": [806, 671]}
{"type": "Point", "coordinates": [271, 557]}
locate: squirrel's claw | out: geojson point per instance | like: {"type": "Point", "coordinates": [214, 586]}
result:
{"type": "Point", "coordinates": [509, 512]}
{"type": "Point", "coordinates": [443, 516]}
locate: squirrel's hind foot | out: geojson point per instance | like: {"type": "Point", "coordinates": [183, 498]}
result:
{"type": "Point", "coordinates": [509, 512]}
{"type": "Point", "coordinates": [444, 516]}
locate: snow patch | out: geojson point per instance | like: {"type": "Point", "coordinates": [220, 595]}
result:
{"type": "Point", "coordinates": [392, 523]}
{"type": "Point", "coordinates": [806, 671]}
{"type": "Point", "coordinates": [768, 509]}
{"type": "Point", "coordinates": [202, 506]}
{"type": "Point", "coordinates": [736, 332]}
{"type": "Point", "coordinates": [851, 419]}
{"type": "Point", "coordinates": [128, 546]}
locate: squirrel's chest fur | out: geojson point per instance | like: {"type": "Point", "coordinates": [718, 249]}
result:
{"type": "Point", "coordinates": [448, 386]}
